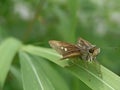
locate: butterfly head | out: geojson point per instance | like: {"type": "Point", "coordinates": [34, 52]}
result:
{"type": "Point", "coordinates": [93, 52]}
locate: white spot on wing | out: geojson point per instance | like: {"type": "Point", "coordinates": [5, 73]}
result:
{"type": "Point", "coordinates": [62, 48]}
{"type": "Point", "coordinates": [65, 49]}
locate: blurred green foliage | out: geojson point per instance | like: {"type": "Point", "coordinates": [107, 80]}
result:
{"type": "Point", "coordinates": [38, 21]}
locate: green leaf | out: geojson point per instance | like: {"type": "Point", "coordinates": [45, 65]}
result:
{"type": "Point", "coordinates": [8, 49]}
{"type": "Point", "coordinates": [109, 80]}
{"type": "Point", "coordinates": [37, 74]}
{"type": "Point", "coordinates": [14, 80]}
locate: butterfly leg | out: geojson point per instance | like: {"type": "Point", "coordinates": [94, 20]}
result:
{"type": "Point", "coordinates": [98, 68]}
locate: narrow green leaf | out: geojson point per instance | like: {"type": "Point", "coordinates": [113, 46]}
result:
{"type": "Point", "coordinates": [8, 49]}
{"type": "Point", "coordinates": [37, 74]}
{"type": "Point", "coordinates": [109, 80]}
{"type": "Point", "coordinates": [14, 80]}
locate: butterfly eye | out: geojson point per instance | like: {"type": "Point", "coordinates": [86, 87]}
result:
{"type": "Point", "coordinates": [91, 50]}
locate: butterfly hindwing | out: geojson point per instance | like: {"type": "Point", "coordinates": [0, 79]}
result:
{"type": "Point", "coordinates": [84, 44]}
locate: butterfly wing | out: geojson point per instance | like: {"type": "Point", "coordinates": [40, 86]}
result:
{"type": "Point", "coordinates": [65, 49]}
{"type": "Point", "coordinates": [84, 44]}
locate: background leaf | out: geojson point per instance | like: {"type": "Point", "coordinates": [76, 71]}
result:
{"type": "Point", "coordinates": [8, 49]}
{"type": "Point", "coordinates": [13, 80]}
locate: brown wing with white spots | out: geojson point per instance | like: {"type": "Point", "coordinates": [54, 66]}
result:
{"type": "Point", "coordinates": [65, 49]}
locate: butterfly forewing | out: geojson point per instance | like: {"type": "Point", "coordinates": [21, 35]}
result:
{"type": "Point", "coordinates": [65, 49]}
